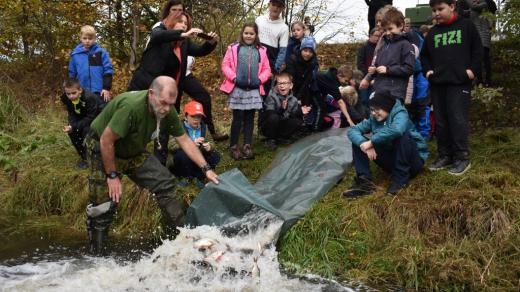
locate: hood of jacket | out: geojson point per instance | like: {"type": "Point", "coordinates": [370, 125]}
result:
{"type": "Point", "coordinates": [80, 49]}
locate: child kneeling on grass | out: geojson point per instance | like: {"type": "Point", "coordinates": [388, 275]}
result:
{"type": "Point", "coordinates": [394, 145]}
{"type": "Point", "coordinates": [183, 167]}
{"type": "Point", "coordinates": [82, 107]}
{"type": "Point", "coordinates": [283, 115]}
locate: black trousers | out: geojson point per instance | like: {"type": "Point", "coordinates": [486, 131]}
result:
{"type": "Point", "coordinates": [184, 167]}
{"type": "Point", "coordinates": [401, 159]}
{"type": "Point", "coordinates": [245, 118]}
{"type": "Point", "coordinates": [451, 109]}
{"type": "Point", "coordinates": [196, 90]}
{"type": "Point", "coordinates": [77, 137]}
{"type": "Point", "coordinates": [275, 127]}
{"type": "Point", "coordinates": [484, 75]}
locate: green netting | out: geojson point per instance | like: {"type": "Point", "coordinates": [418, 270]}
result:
{"type": "Point", "coordinates": [298, 177]}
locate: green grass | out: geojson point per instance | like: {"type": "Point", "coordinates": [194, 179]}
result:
{"type": "Point", "coordinates": [442, 232]}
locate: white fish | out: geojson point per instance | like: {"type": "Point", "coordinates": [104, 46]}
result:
{"type": "Point", "coordinates": [255, 272]}
{"type": "Point", "coordinates": [216, 256]}
{"type": "Point", "coordinates": [204, 243]}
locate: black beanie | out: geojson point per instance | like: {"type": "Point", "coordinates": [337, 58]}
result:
{"type": "Point", "coordinates": [382, 101]}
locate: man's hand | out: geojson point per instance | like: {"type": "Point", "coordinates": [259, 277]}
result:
{"type": "Point", "coordinates": [114, 189]}
{"type": "Point", "coordinates": [212, 176]}
{"type": "Point", "coordinates": [428, 74]}
{"type": "Point", "coordinates": [67, 129]}
{"type": "Point", "coordinates": [471, 76]}
{"type": "Point", "coordinates": [364, 84]}
{"type": "Point", "coordinates": [371, 153]}
{"type": "Point", "coordinates": [372, 69]}
{"type": "Point", "coordinates": [381, 70]}
{"type": "Point", "coordinates": [106, 95]}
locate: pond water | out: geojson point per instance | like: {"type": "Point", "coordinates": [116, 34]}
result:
{"type": "Point", "coordinates": [199, 259]}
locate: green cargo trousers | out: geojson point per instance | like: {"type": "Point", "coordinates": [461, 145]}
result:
{"type": "Point", "coordinates": [147, 172]}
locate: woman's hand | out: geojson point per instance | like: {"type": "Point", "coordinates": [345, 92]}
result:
{"type": "Point", "coordinates": [215, 38]}
{"type": "Point", "coordinates": [191, 33]}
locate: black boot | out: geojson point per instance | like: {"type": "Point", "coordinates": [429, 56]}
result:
{"type": "Point", "coordinates": [99, 219]}
{"type": "Point", "coordinates": [361, 187]}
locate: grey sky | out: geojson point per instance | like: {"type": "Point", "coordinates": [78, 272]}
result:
{"type": "Point", "coordinates": [354, 13]}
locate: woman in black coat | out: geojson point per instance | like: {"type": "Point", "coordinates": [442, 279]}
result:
{"type": "Point", "coordinates": [166, 54]}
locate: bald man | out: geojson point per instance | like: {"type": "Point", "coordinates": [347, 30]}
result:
{"type": "Point", "coordinates": [117, 145]}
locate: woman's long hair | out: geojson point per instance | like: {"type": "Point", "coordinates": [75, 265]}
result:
{"type": "Point", "coordinates": [168, 5]}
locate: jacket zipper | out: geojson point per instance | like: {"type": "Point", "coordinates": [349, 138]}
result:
{"type": "Point", "coordinates": [249, 67]}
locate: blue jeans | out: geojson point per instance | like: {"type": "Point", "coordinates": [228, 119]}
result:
{"type": "Point", "coordinates": [401, 159]}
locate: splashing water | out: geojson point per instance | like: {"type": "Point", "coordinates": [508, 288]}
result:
{"type": "Point", "coordinates": [200, 259]}
{"type": "Point", "coordinates": [157, 133]}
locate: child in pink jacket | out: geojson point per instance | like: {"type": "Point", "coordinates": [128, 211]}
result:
{"type": "Point", "coordinates": [246, 69]}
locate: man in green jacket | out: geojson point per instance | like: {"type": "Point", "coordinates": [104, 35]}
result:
{"type": "Point", "coordinates": [389, 139]}
{"type": "Point", "coordinates": [117, 145]}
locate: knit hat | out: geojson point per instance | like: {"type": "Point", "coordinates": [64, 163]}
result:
{"type": "Point", "coordinates": [308, 43]}
{"type": "Point", "coordinates": [194, 108]}
{"type": "Point", "coordinates": [382, 101]}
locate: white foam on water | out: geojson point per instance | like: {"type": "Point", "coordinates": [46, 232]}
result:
{"type": "Point", "coordinates": [178, 265]}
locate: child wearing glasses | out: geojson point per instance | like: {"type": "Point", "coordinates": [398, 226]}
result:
{"type": "Point", "coordinates": [283, 115]}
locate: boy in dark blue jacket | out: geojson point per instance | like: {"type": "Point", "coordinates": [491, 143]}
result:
{"type": "Point", "coordinates": [82, 107]}
{"type": "Point", "coordinates": [91, 65]}
{"type": "Point", "coordinates": [395, 60]}
{"type": "Point", "coordinates": [394, 145]}
{"type": "Point", "coordinates": [451, 55]}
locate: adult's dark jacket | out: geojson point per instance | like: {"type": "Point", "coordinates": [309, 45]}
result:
{"type": "Point", "coordinates": [375, 5]}
{"type": "Point", "coordinates": [88, 110]}
{"type": "Point", "coordinates": [304, 74]}
{"type": "Point", "coordinates": [365, 54]}
{"type": "Point", "coordinates": [398, 55]}
{"type": "Point", "coordinates": [449, 50]}
{"type": "Point", "coordinates": [158, 58]}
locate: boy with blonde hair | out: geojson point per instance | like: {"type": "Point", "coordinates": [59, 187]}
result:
{"type": "Point", "coordinates": [91, 65]}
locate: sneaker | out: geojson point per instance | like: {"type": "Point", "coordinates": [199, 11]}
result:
{"type": "Point", "coordinates": [235, 153]}
{"type": "Point", "coordinates": [217, 137]}
{"type": "Point", "coordinates": [394, 188]}
{"type": "Point", "coordinates": [82, 164]}
{"type": "Point", "coordinates": [361, 187]}
{"type": "Point", "coordinates": [441, 163]}
{"type": "Point", "coordinates": [270, 144]}
{"type": "Point", "coordinates": [460, 167]}
{"type": "Point", "coordinates": [247, 152]}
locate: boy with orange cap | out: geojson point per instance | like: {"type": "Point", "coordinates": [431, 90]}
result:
{"type": "Point", "coordinates": [183, 167]}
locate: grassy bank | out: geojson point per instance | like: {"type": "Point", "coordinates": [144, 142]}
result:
{"type": "Point", "coordinates": [443, 232]}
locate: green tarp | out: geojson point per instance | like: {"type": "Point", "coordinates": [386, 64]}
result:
{"type": "Point", "coordinates": [298, 177]}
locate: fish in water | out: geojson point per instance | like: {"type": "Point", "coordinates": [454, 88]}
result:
{"type": "Point", "coordinates": [204, 243]}
{"type": "Point", "coordinates": [216, 256]}
{"type": "Point", "coordinates": [255, 272]}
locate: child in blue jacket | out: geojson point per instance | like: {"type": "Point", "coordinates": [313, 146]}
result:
{"type": "Point", "coordinates": [393, 144]}
{"type": "Point", "coordinates": [183, 167]}
{"type": "Point", "coordinates": [91, 65]}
